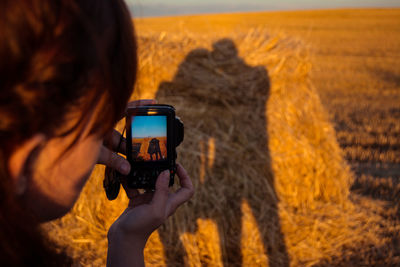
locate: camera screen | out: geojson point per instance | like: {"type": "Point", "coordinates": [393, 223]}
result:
{"type": "Point", "coordinates": [149, 138]}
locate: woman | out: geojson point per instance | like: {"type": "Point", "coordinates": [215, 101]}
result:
{"type": "Point", "coordinates": [67, 69]}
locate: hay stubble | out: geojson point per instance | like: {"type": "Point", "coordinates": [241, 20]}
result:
{"type": "Point", "coordinates": [270, 177]}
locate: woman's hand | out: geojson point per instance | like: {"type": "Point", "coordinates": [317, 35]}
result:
{"type": "Point", "coordinates": [145, 213]}
{"type": "Point", "coordinates": [114, 143]}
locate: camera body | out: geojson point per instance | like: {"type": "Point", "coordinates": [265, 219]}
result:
{"type": "Point", "coordinates": [152, 132]}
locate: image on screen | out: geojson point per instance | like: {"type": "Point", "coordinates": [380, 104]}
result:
{"type": "Point", "coordinates": [149, 138]}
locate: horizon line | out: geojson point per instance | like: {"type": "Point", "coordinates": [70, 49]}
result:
{"type": "Point", "coordinates": [264, 11]}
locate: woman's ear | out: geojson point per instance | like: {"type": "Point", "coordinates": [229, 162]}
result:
{"type": "Point", "coordinates": [19, 162]}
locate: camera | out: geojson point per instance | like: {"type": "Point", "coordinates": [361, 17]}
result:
{"type": "Point", "coordinates": [152, 134]}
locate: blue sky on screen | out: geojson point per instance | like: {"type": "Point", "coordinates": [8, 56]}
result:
{"type": "Point", "coordinates": [145, 126]}
{"type": "Point", "coordinates": [149, 8]}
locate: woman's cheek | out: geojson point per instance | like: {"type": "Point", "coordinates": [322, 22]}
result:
{"type": "Point", "coordinates": [88, 159]}
{"type": "Point", "coordinates": [61, 180]}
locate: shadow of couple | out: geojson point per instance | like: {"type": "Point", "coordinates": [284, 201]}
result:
{"type": "Point", "coordinates": [222, 102]}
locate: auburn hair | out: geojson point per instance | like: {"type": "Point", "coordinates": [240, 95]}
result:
{"type": "Point", "coordinates": [56, 56]}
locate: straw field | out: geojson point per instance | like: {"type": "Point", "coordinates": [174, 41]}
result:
{"type": "Point", "coordinates": [144, 146]}
{"type": "Point", "coordinates": [272, 183]}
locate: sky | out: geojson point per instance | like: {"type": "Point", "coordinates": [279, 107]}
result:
{"type": "Point", "coordinates": [145, 126]}
{"type": "Point", "coordinates": [153, 8]}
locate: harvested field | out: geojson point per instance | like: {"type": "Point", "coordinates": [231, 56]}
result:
{"type": "Point", "coordinates": [144, 146]}
{"type": "Point", "coordinates": [273, 186]}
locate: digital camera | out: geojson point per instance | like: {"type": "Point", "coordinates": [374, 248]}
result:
{"type": "Point", "coordinates": [152, 132]}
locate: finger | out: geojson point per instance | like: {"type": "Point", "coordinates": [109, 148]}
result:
{"type": "Point", "coordinates": [160, 198]}
{"type": "Point", "coordinates": [184, 179]}
{"type": "Point", "coordinates": [116, 142]}
{"type": "Point", "coordinates": [114, 161]}
{"type": "Point", "coordinates": [183, 194]}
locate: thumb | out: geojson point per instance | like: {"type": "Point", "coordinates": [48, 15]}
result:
{"type": "Point", "coordinates": [161, 194]}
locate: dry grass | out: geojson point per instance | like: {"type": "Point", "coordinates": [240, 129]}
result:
{"type": "Point", "coordinates": [272, 183]}
{"type": "Point", "coordinates": [144, 146]}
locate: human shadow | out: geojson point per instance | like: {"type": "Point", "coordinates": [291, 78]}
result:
{"type": "Point", "coordinates": [154, 148]}
{"type": "Point", "coordinates": [222, 102]}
